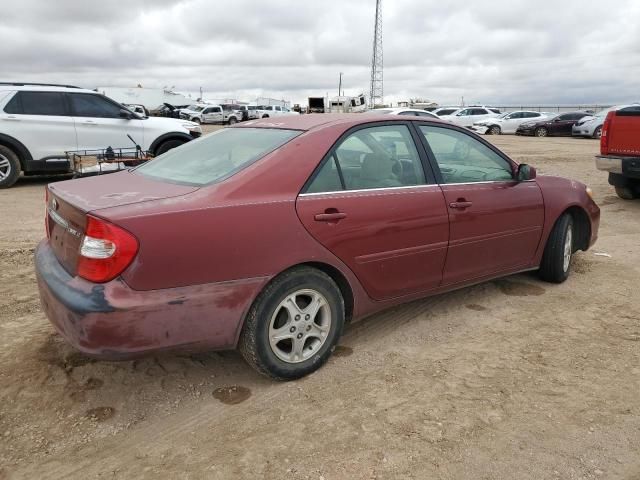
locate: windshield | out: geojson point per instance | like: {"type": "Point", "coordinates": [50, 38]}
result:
{"type": "Point", "coordinates": [505, 114]}
{"type": "Point", "coordinates": [216, 156]}
{"type": "Point", "coordinates": [195, 108]}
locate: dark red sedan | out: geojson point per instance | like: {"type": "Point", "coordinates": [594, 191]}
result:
{"type": "Point", "coordinates": [270, 235]}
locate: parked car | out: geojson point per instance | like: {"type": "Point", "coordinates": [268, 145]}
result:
{"type": "Point", "coordinates": [275, 111]}
{"type": "Point", "coordinates": [443, 111]}
{"type": "Point", "coordinates": [507, 122]}
{"type": "Point", "coordinates": [40, 123]}
{"type": "Point", "coordinates": [207, 113]}
{"type": "Point", "coordinates": [560, 125]}
{"type": "Point", "coordinates": [166, 110]}
{"type": "Point", "coordinates": [591, 126]}
{"type": "Point", "coordinates": [411, 112]}
{"type": "Point", "coordinates": [465, 117]}
{"type": "Point", "coordinates": [136, 108]}
{"type": "Point", "coordinates": [249, 112]}
{"type": "Point", "coordinates": [304, 192]}
{"type": "Point", "coordinates": [620, 151]}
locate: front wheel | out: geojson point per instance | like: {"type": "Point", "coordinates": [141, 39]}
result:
{"type": "Point", "coordinates": [294, 324]}
{"type": "Point", "coordinates": [168, 145]}
{"type": "Point", "coordinates": [232, 121]}
{"type": "Point", "coordinates": [495, 130]}
{"type": "Point", "coordinates": [597, 133]}
{"type": "Point", "coordinates": [541, 132]}
{"type": "Point", "coordinates": [626, 193]}
{"type": "Point", "coordinates": [556, 259]}
{"type": "Point", "coordinates": [9, 167]}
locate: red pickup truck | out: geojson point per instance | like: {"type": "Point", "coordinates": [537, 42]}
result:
{"type": "Point", "coordinates": [620, 151]}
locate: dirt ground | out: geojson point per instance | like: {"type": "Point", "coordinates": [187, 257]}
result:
{"type": "Point", "coordinates": [513, 379]}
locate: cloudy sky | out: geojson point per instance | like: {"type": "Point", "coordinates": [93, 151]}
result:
{"type": "Point", "coordinates": [499, 52]}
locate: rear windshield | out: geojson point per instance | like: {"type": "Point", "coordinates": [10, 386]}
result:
{"type": "Point", "coordinates": [216, 156]}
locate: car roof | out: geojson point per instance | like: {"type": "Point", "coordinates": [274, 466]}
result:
{"type": "Point", "coordinates": [44, 88]}
{"type": "Point", "coordinates": [318, 120]}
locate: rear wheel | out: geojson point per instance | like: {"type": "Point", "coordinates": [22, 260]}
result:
{"type": "Point", "coordinates": [556, 259]}
{"type": "Point", "coordinates": [9, 167]}
{"type": "Point", "coordinates": [168, 145]}
{"type": "Point", "coordinates": [541, 132]}
{"type": "Point", "coordinates": [294, 324]}
{"type": "Point", "coordinates": [626, 193]}
{"type": "Point", "coordinates": [265, 116]}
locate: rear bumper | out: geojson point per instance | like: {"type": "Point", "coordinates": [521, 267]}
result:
{"type": "Point", "coordinates": [114, 322]}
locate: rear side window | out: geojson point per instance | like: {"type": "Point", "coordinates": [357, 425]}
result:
{"type": "Point", "coordinates": [217, 156]}
{"type": "Point", "coordinates": [375, 157]}
{"type": "Point", "coordinates": [89, 105]}
{"type": "Point", "coordinates": [37, 103]}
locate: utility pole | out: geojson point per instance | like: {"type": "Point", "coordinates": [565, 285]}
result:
{"type": "Point", "coordinates": [340, 85]}
{"type": "Point", "coordinates": [200, 93]}
{"type": "Point", "coordinates": [376, 94]}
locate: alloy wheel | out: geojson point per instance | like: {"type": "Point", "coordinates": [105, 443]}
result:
{"type": "Point", "coordinates": [299, 326]}
{"type": "Point", "coordinates": [5, 167]}
{"type": "Point", "coordinates": [568, 249]}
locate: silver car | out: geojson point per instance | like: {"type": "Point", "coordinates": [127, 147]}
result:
{"type": "Point", "coordinates": [591, 126]}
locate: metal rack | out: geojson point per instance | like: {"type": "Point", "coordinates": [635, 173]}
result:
{"type": "Point", "coordinates": [85, 163]}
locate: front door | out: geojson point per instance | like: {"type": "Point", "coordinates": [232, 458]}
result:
{"type": "Point", "coordinates": [372, 206]}
{"type": "Point", "coordinates": [495, 222]}
{"type": "Point", "coordinates": [212, 115]}
{"type": "Point", "coordinates": [99, 124]}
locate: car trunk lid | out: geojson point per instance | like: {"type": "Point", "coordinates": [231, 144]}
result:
{"type": "Point", "coordinates": [68, 204]}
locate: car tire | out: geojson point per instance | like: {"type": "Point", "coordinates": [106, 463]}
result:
{"type": "Point", "coordinates": [196, 120]}
{"type": "Point", "coordinates": [626, 193]}
{"type": "Point", "coordinates": [494, 130]}
{"type": "Point", "coordinates": [232, 121]}
{"type": "Point", "coordinates": [265, 116]}
{"type": "Point", "coordinates": [597, 133]}
{"type": "Point", "coordinates": [9, 167]}
{"type": "Point", "coordinates": [541, 132]}
{"type": "Point", "coordinates": [168, 145]}
{"type": "Point", "coordinates": [558, 252]}
{"type": "Point", "coordinates": [268, 319]}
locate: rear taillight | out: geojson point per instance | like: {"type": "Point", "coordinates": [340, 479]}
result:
{"type": "Point", "coordinates": [604, 137]}
{"type": "Point", "coordinates": [106, 251]}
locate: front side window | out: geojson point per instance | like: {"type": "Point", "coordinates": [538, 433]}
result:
{"type": "Point", "coordinates": [37, 103]}
{"type": "Point", "coordinates": [463, 159]}
{"type": "Point", "coordinates": [216, 156]}
{"type": "Point", "coordinates": [89, 105]}
{"type": "Point", "coordinates": [375, 157]}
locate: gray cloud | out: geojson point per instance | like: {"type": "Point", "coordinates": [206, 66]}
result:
{"type": "Point", "coordinates": [498, 52]}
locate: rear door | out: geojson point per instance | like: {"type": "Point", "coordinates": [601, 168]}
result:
{"type": "Point", "coordinates": [99, 125]}
{"type": "Point", "coordinates": [495, 222]}
{"type": "Point", "coordinates": [41, 121]}
{"type": "Point", "coordinates": [373, 206]}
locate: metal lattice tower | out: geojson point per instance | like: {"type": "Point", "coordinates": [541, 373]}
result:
{"type": "Point", "coordinates": [376, 95]}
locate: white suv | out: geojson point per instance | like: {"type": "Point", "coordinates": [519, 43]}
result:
{"type": "Point", "coordinates": [274, 111]}
{"type": "Point", "coordinates": [465, 117]}
{"type": "Point", "coordinates": [39, 123]}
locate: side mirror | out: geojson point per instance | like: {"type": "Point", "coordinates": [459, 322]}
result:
{"type": "Point", "coordinates": [127, 114]}
{"type": "Point", "coordinates": [526, 172]}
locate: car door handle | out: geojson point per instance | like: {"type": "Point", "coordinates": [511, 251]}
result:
{"type": "Point", "coordinates": [460, 204]}
{"type": "Point", "coordinates": [330, 217]}
{"type": "Point", "coordinates": [90, 122]}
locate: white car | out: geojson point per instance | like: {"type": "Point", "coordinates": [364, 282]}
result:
{"type": "Point", "coordinates": [274, 111]}
{"type": "Point", "coordinates": [40, 123]}
{"type": "Point", "coordinates": [207, 113]}
{"type": "Point", "coordinates": [465, 117]}
{"type": "Point", "coordinates": [411, 112]}
{"type": "Point", "coordinates": [442, 111]}
{"type": "Point", "coordinates": [507, 123]}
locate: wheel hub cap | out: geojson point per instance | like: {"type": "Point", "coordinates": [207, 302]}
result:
{"type": "Point", "coordinates": [299, 326]}
{"type": "Point", "coordinates": [568, 249]}
{"type": "Point", "coordinates": [5, 167]}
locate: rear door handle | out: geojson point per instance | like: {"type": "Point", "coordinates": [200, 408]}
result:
{"type": "Point", "coordinates": [460, 204]}
{"type": "Point", "coordinates": [329, 217]}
